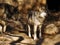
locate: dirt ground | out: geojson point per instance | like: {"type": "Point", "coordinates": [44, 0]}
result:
{"type": "Point", "coordinates": [15, 14]}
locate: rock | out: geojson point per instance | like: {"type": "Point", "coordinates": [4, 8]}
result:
{"type": "Point", "coordinates": [51, 29]}
{"type": "Point", "coordinates": [51, 41]}
{"type": "Point", "coordinates": [10, 2]}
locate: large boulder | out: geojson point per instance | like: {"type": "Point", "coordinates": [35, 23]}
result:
{"type": "Point", "coordinates": [51, 29]}
{"type": "Point", "coordinates": [10, 2]}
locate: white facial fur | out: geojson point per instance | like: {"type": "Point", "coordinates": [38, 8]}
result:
{"type": "Point", "coordinates": [43, 14]}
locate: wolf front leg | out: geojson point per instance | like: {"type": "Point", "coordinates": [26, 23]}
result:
{"type": "Point", "coordinates": [0, 29]}
{"type": "Point", "coordinates": [40, 34]}
{"type": "Point", "coordinates": [35, 32]}
{"type": "Point", "coordinates": [4, 28]}
{"type": "Point", "coordinates": [29, 31]}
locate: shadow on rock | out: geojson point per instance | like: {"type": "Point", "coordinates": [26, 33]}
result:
{"type": "Point", "coordinates": [17, 41]}
{"type": "Point", "coordinates": [39, 42]}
